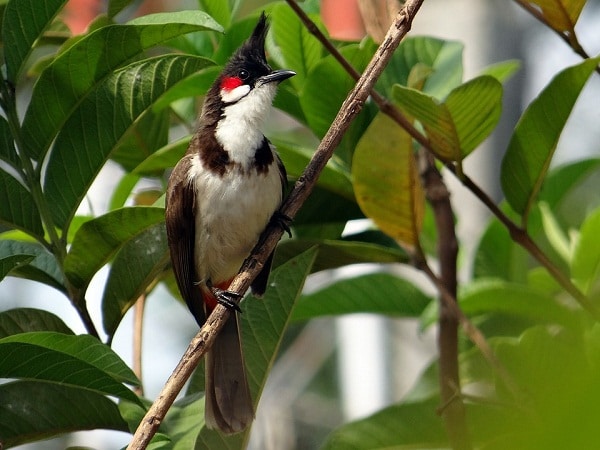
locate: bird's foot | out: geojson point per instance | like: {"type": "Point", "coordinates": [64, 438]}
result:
{"type": "Point", "coordinates": [282, 221]}
{"type": "Point", "coordinates": [228, 299]}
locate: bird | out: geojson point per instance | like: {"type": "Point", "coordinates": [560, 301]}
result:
{"type": "Point", "coordinates": [220, 196]}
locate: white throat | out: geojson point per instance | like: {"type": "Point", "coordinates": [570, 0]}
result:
{"type": "Point", "coordinates": [240, 129]}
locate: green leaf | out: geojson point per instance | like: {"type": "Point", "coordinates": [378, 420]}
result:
{"type": "Point", "coordinates": [335, 177]}
{"type": "Point", "coordinates": [263, 324]}
{"type": "Point", "coordinates": [333, 253]}
{"type": "Point", "coordinates": [182, 422]}
{"type": "Point", "coordinates": [134, 268]}
{"type": "Point", "coordinates": [31, 411]}
{"type": "Point", "coordinates": [23, 23]}
{"type": "Point", "coordinates": [585, 268]}
{"type": "Point", "coordinates": [536, 135]}
{"type": "Point", "coordinates": [233, 38]}
{"type": "Point", "coordinates": [498, 256]}
{"type": "Point", "coordinates": [299, 49]}
{"type": "Point", "coordinates": [17, 207]}
{"type": "Point", "coordinates": [475, 108]}
{"type": "Point", "coordinates": [457, 126]}
{"type": "Point", "coordinates": [324, 91]}
{"type": "Point", "coordinates": [43, 268]}
{"type": "Point", "coordinates": [560, 407]}
{"type": "Point", "coordinates": [443, 58]}
{"type": "Point", "coordinates": [489, 296]}
{"type": "Point", "coordinates": [503, 70]}
{"type": "Point", "coordinates": [324, 208]}
{"type": "Point", "coordinates": [163, 158]}
{"type": "Point", "coordinates": [378, 293]}
{"type": "Point", "coordinates": [97, 240]}
{"type": "Point", "coordinates": [78, 72]}
{"type": "Point", "coordinates": [559, 241]}
{"type": "Point", "coordinates": [404, 426]}
{"type": "Point", "coordinates": [149, 133]}
{"type": "Point", "coordinates": [8, 152]}
{"type": "Point", "coordinates": [80, 151]}
{"type": "Point", "coordinates": [195, 85]}
{"type": "Point", "coordinates": [568, 188]}
{"type": "Point", "coordinates": [434, 117]}
{"type": "Point", "coordinates": [386, 181]}
{"type": "Point", "coordinates": [116, 6]}
{"type": "Point", "coordinates": [564, 178]}
{"type": "Point", "coordinates": [221, 11]}
{"type": "Point", "coordinates": [80, 361]}
{"type": "Point", "coordinates": [327, 87]}
{"type": "Point", "coordinates": [23, 320]}
{"type": "Point", "coordinates": [120, 194]}
{"type": "Point", "coordinates": [8, 263]}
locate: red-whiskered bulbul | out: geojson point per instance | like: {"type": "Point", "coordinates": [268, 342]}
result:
{"type": "Point", "coordinates": [220, 197]}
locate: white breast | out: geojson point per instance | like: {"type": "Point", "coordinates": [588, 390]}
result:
{"type": "Point", "coordinates": [232, 211]}
{"type": "Point", "coordinates": [239, 131]}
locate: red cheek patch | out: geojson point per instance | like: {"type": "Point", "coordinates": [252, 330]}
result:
{"type": "Point", "coordinates": [230, 83]}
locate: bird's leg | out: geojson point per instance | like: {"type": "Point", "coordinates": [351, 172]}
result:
{"type": "Point", "coordinates": [226, 298]}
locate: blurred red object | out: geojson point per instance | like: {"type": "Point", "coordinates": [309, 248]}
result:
{"type": "Point", "coordinates": [78, 14]}
{"type": "Point", "coordinates": [342, 19]}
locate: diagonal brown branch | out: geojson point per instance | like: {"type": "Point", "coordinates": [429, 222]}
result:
{"type": "Point", "coordinates": [302, 189]}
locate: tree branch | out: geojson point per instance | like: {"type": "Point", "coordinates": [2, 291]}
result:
{"type": "Point", "coordinates": [453, 413]}
{"type": "Point", "coordinates": [303, 187]}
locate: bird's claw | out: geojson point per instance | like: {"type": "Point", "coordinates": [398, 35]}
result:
{"type": "Point", "coordinates": [282, 221]}
{"type": "Point", "coordinates": [228, 299]}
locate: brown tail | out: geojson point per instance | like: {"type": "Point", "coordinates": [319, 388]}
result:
{"type": "Point", "coordinates": [228, 403]}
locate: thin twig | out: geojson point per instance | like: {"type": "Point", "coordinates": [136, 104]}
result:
{"type": "Point", "coordinates": [302, 189]}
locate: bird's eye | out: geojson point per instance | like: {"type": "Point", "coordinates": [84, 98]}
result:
{"type": "Point", "coordinates": [243, 74]}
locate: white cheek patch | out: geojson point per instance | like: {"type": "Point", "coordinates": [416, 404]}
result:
{"type": "Point", "coordinates": [233, 95]}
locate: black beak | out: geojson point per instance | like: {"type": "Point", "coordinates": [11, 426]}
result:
{"type": "Point", "coordinates": [276, 75]}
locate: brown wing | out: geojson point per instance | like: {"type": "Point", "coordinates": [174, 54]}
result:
{"type": "Point", "coordinates": [181, 229]}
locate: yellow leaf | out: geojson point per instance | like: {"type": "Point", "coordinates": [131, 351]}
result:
{"type": "Point", "coordinates": [562, 15]}
{"type": "Point", "coordinates": [386, 181]}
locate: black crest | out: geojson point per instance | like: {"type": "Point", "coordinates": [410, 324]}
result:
{"type": "Point", "coordinates": [251, 54]}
